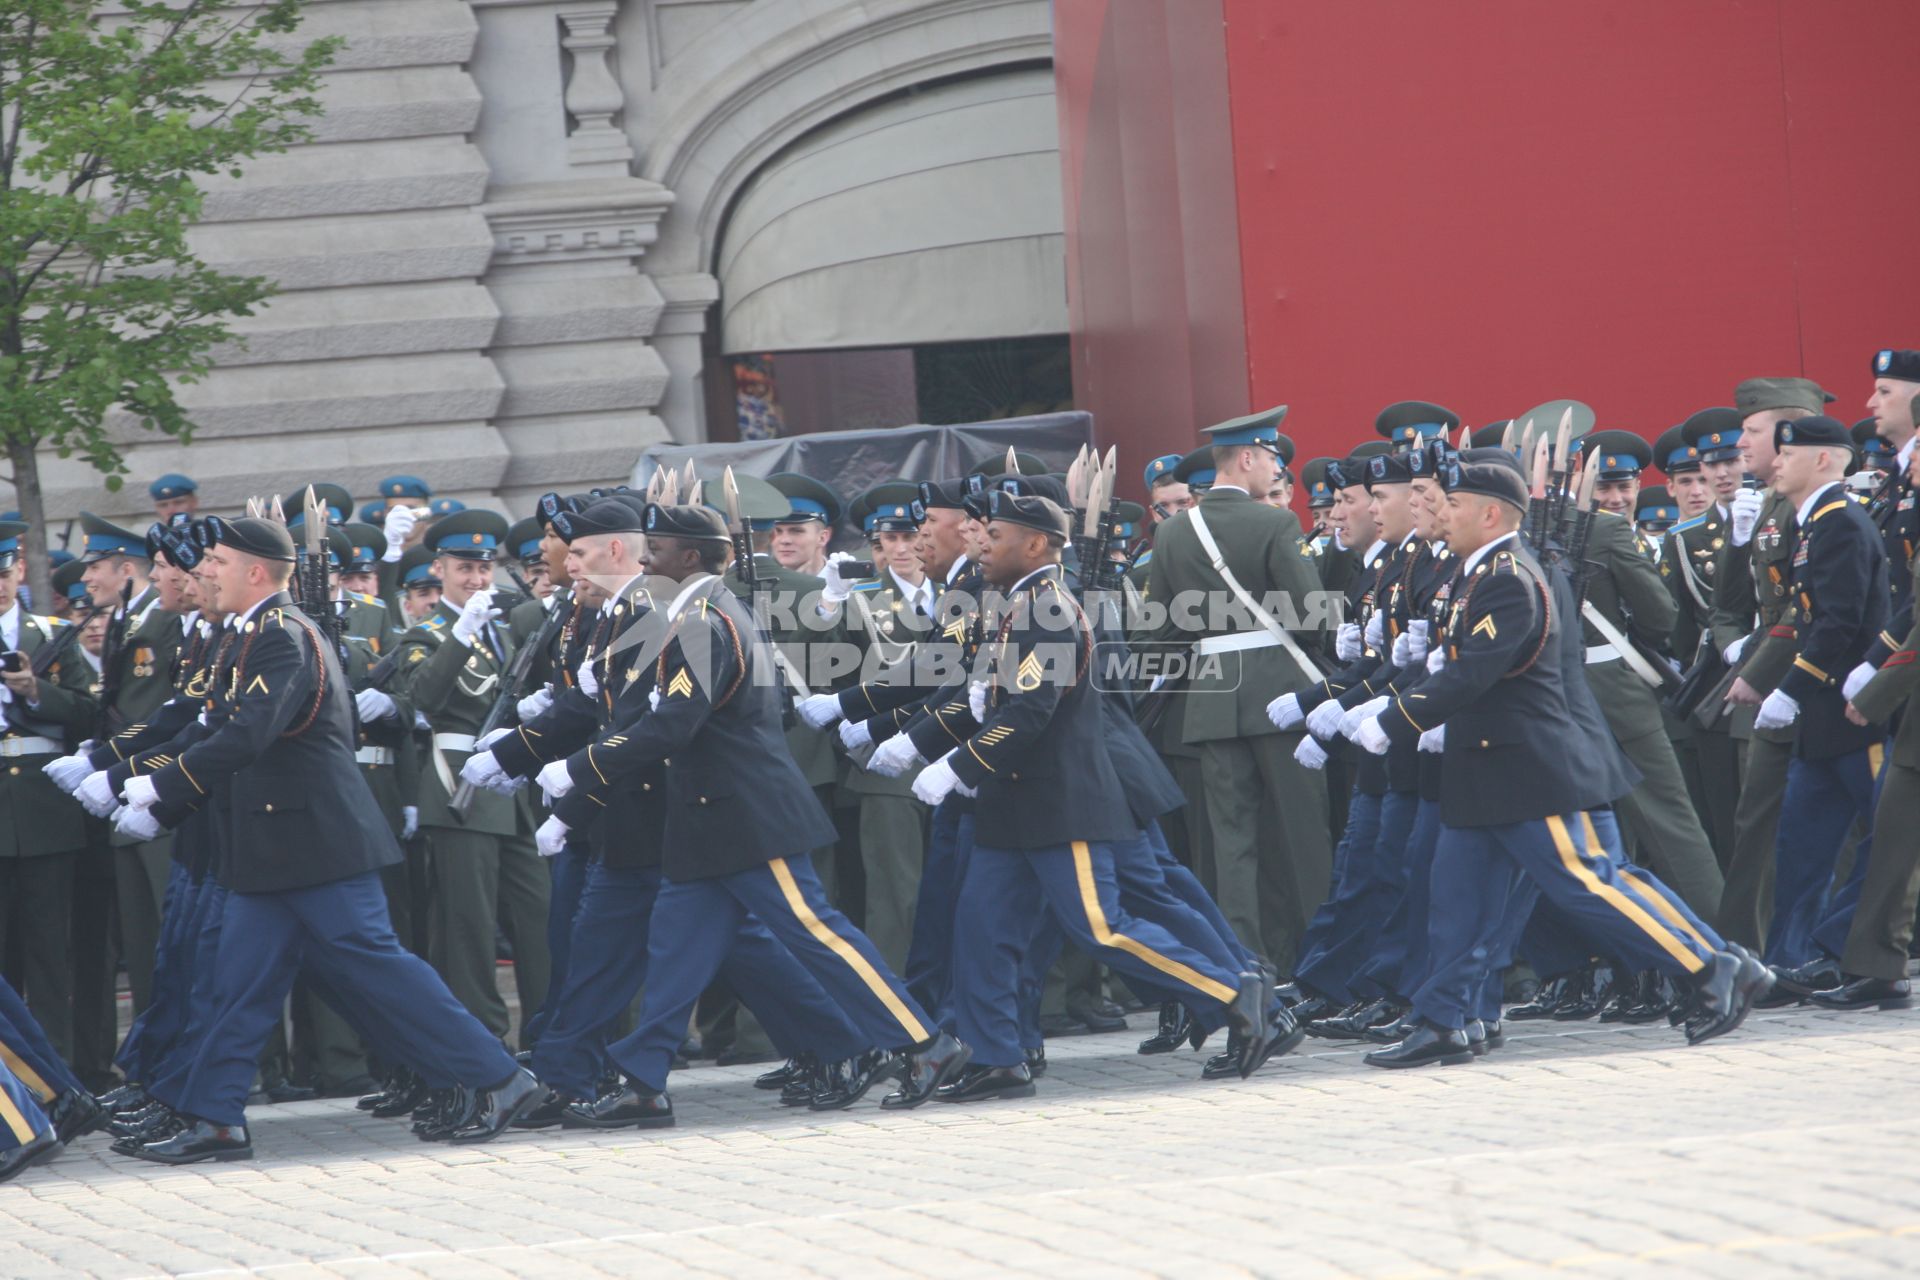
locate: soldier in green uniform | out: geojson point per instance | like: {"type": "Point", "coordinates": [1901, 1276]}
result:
{"type": "Point", "coordinates": [1654, 513]}
{"type": "Point", "coordinates": [887, 615]}
{"type": "Point", "coordinates": [46, 710]}
{"type": "Point", "coordinates": [1753, 578]}
{"type": "Point", "coordinates": [96, 1031]}
{"type": "Point", "coordinates": [1267, 813]}
{"type": "Point", "coordinates": [1709, 753]}
{"type": "Point", "coordinates": [1628, 617]}
{"type": "Point", "coordinates": [118, 566]}
{"type": "Point", "coordinates": [483, 867]}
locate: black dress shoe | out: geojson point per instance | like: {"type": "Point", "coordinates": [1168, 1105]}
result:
{"type": "Point", "coordinates": [1622, 993]}
{"type": "Point", "coordinates": [498, 1106]}
{"type": "Point", "coordinates": [144, 1123]}
{"type": "Point", "coordinates": [926, 1070]}
{"type": "Point", "coordinates": [1477, 1038]}
{"type": "Point", "coordinates": [284, 1092]}
{"type": "Point", "coordinates": [1724, 991]}
{"type": "Point", "coordinates": [545, 1113]}
{"type": "Point", "coordinates": [199, 1140]}
{"type": "Point", "coordinates": [1428, 1044]}
{"type": "Point", "coordinates": [1548, 998]}
{"type": "Point", "coordinates": [1222, 1065]}
{"type": "Point", "coordinates": [848, 1082]}
{"type": "Point", "coordinates": [385, 1091]}
{"type": "Point", "coordinates": [1172, 1030]}
{"type": "Point", "coordinates": [1649, 1002]}
{"type": "Point", "coordinates": [1355, 1022]}
{"type": "Point", "coordinates": [1582, 999]}
{"type": "Point", "coordinates": [1796, 986]}
{"type": "Point", "coordinates": [1311, 1008]}
{"type": "Point", "coordinates": [1290, 994]}
{"type": "Point", "coordinates": [984, 1084]}
{"type": "Point", "coordinates": [1283, 1036]}
{"type": "Point", "coordinates": [128, 1097]}
{"type": "Point", "coordinates": [796, 1092]}
{"type": "Point", "coordinates": [798, 1065]}
{"type": "Point", "coordinates": [1037, 1062]}
{"type": "Point", "coordinates": [1867, 993]}
{"type": "Point", "coordinates": [443, 1110]}
{"type": "Point", "coordinates": [1496, 1035]}
{"type": "Point", "coordinates": [404, 1098]}
{"type": "Point", "coordinates": [1097, 1016]}
{"type": "Point", "coordinates": [1393, 1032]}
{"type": "Point", "coordinates": [44, 1146]}
{"type": "Point", "coordinates": [1055, 1026]}
{"type": "Point", "coordinates": [166, 1128]}
{"type": "Point", "coordinates": [631, 1106]}
{"type": "Point", "coordinates": [75, 1114]}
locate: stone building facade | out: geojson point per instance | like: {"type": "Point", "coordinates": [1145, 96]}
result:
{"type": "Point", "coordinates": [500, 256]}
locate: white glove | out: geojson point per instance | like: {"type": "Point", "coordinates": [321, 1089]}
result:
{"type": "Point", "coordinates": [1856, 681]}
{"type": "Point", "coordinates": [555, 780]}
{"type": "Point", "coordinates": [68, 771]}
{"type": "Point", "coordinates": [977, 700]}
{"type": "Point", "coordinates": [1351, 722]}
{"type": "Point", "coordinates": [1434, 740]}
{"type": "Point", "coordinates": [1402, 653]}
{"type": "Point", "coordinates": [836, 589]}
{"type": "Point", "coordinates": [1310, 753]}
{"type": "Point", "coordinates": [935, 782]}
{"type": "Point", "coordinates": [398, 527]}
{"type": "Point", "coordinates": [583, 675]}
{"type": "Point", "coordinates": [1376, 631]}
{"type": "Point", "coordinates": [854, 733]}
{"type": "Point", "coordinates": [1417, 646]}
{"type": "Point", "coordinates": [551, 838]}
{"type": "Point", "coordinates": [893, 757]}
{"type": "Point", "coordinates": [96, 793]}
{"type": "Point", "coordinates": [534, 705]}
{"type": "Point", "coordinates": [1436, 659]}
{"type": "Point", "coordinates": [653, 699]}
{"type": "Point", "coordinates": [1371, 736]}
{"type": "Point", "coordinates": [1777, 712]}
{"type": "Point", "coordinates": [1744, 513]}
{"type": "Point", "coordinates": [482, 770]}
{"type": "Point", "coordinates": [86, 748]}
{"type": "Point", "coordinates": [137, 821]}
{"type": "Point", "coordinates": [1346, 642]}
{"type": "Point", "coordinates": [491, 736]}
{"type": "Point", "coordinates": [1324, 720]}
{"type": "Point", "coordinates": [372, 705]}
{"type": "Point", "coordinates": [140, 793]}
{"type": "Point", "coordinates": [1733, 651]}
{"type": "Point", "coordinates": [409, 821]}
{"type": "Point", "coordinates": [819, 709]}
{"type": "Point", "coordinates": [1284, 711]}
{"type": "Point", "coordinates": [474, 616]}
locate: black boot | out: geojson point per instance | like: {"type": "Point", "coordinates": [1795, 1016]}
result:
{"type": "Point", "coordinates": [1550, 996]}
{"type": "Point", "coordinates": [1172, 1031]}
{"type": "Point", "coordinates": [1583, 998]}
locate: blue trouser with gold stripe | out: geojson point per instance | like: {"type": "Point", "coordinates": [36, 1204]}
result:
{"type": "Point", "coordinates": [1479, 892]}
{"type": "Point", "coordinates": [854, 1003]}
{"type": "Point", "coordinates": [21, 1119]}
{"type": "Point", "coordinates": [26, 1051]}
{"type": "Point", "coordinates": [1007, 894]}
{"type": "Point", "coordinates": [1822, 800]}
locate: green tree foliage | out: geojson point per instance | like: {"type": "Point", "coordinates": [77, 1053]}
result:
{"type": "Point", "coordinates": [110, 115]}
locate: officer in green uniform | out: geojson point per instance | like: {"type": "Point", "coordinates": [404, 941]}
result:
{"type": "Point", "coordinates": [483, 867]}
{"type": "Point", "coordinates": [887, 615]}
{"type": "Point", "coordinates": [1753, 581]}
{"type": "Point", "coordinates": [46, 712]}
{"type": "Point", "coordinates": [1268, 813]}
{"type": "Point", "coordinates": [1709, 753]}
{"type": "Point", "coordinates": [1628, 618]}
{"type": "Point", "coordinates": [117, 565]}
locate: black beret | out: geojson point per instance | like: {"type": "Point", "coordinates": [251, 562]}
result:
{"type": "Point", "coordinates": [1051, 487]}
{"type": "Point", "coordinates": [1892, 363]}
{"type": "Point", "coordinates": [1818, 431]}
{"type": "Point", "coordinates": [1425, 461]}
{"type": "Point", "coordinates": [1489, 478]}
{"type": "Point", "coordinates": [1488, 437]}
{"type": "Point", "coordinates": [552, 504]}
{"type": "Point", "coordinates": [1388, 468]}
{"type": "Point", "coordinates": [1029, 509]}
{"type": "Point", "coordinates": [1493, 456]}
{"type": "Point", "coordinates": [696, 524]}
{"type": "Point", "coordinates": [609, 515]}
{"type": "Point", "coordinates": [267, 539]}
{"type": "Point", "coordinates": [950, 494]}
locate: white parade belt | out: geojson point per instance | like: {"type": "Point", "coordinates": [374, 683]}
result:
{"type": "Point", "coordinates": [453, 741]}
{"type": "Point", "coordinates": [1236, 642]}
{"type": "Point", "coordinates": [12, 747]}
{"type": "Point", "coordinates": [374, 755]}
{"type": "Point", "coordinates": [1602, 653]}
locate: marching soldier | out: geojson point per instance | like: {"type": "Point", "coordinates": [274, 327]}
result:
{"type": "Point", "coordinates": [46, 709]}
{"type": "Point", "coordinates": [483, 865]}
{"type": "Point", "coordinates": [1267, 814]}
{"type": "Point", "coordinates": [149, 634]}
{"type": "Point", "coordinates": [1751, 598]}
{"type": "Point", "coordinates": [1895, 506]}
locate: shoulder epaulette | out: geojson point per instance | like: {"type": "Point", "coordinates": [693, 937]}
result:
{"type": "Point", "coordinates": [1505, 562]}
{"type": "Point", "coordinates": [1685, 525]}
{"type": "Point", "coordinates": [364, 598]}
{"type": "Point", "coordinates": [875, 585]}
{"type": "Point", "coordinates": [51, 623]}
{"type": "Point", "coordinates": [434, 624]}
{"type": "Point", "coordinates": [1144, 557]}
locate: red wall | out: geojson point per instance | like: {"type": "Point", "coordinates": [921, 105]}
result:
{"type": "Point", "coordinates": [1488, 203]}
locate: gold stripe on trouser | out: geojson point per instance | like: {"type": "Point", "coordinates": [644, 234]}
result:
{"type": "Point", "coordinates": [28, 1076]}
{"type": "Point", "coordinates": [846, 951]}
{"type": "Point", "coordinates": [1876, 757]}
{"type": "Point", "coordinates": [1619, 901]}
{"type": "Point", "coordinates": [1636, 878]}
{"type": "Point", "coordinates": [1106, 937]}
{"type": "Point", "coordinates": [15, 1120]}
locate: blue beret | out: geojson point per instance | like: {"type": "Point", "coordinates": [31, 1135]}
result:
{"type": "Point", "coordinates": [404, 487]}
{"type": "Point", "coordinates": [171, 485]}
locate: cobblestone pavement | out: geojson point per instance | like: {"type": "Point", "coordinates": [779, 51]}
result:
{"type": "Point", "coordinates": [1786, 1148]}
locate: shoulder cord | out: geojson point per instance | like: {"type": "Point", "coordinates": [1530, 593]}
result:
{"type": "Point", "coordinates": [1546, 625]}
{"type": "Point", "coordinates": [739, 658]}
{"type": "Point", "coordinates": [320, 673]}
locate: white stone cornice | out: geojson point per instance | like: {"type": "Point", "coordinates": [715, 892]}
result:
{"type": "Point", "coordinates": [575, 221]}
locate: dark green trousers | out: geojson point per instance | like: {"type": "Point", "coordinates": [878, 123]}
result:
{"type": "Point", "coordinates": [1746, 907]}
{"type": "Point", "coordinates": [1883, 923]}
{"type": "Point", "coordinates": [893, 849]}
{"type": "Point", "coordinates": [1710, 763]}
{"type": "Point", "coordinates": [1666, 831]}
{"type": "Point", "coordinates": [36, 933]}
{"type": "Point", "coordinates": [1272, 856]}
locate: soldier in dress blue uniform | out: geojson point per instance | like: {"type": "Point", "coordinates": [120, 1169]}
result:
{"type": "Point", "coordinates": [1498, 702]}
{"type": "Point", "coordinates": [1895, 505]}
